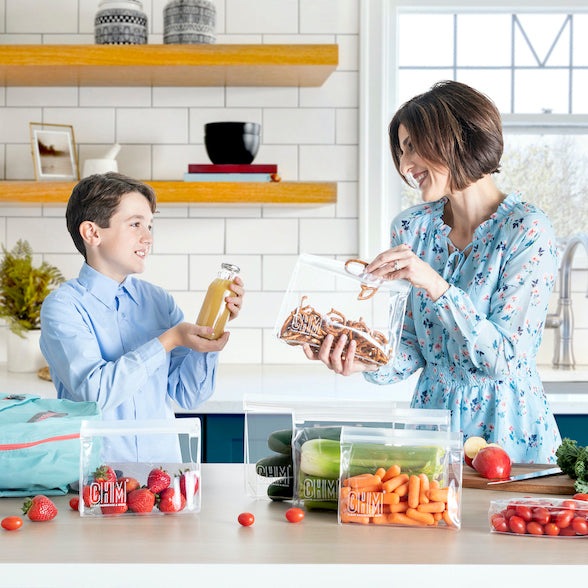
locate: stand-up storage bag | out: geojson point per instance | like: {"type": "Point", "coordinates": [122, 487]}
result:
{"type": "Point", "coordinates": [40, 443]}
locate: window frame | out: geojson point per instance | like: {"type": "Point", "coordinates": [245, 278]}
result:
{"type": "Point", "coordinates": [379, 187]}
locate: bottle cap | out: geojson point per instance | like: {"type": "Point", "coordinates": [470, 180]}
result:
{"type": "Point", "coordinates": [232, 268]}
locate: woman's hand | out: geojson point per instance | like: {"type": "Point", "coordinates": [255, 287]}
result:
{"type": "Point", "coordinates": [235, 303]}
{"type": "Point", "coordinates": [401, 263]}
{"type": "Point", "coordinates": [331, 356]}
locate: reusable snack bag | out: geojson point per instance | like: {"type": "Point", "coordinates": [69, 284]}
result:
{"type": "Point", "coordinates": [328, 296]}
{"type": "Point", "coordinates": [140, 487]}
{"type": "Point", "coordinates": [39, 443]}
{"type": "Point", "coordinates": [316, 441]}
{"type": "Point", "coordinates": [406, 477]}
{"type": "Point", "coordinates": [539, 517]}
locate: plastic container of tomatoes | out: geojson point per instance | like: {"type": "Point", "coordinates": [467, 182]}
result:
{"type": "Point", "coordinates": [539, 517]}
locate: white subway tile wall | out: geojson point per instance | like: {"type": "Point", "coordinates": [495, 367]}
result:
{"type": "Point", "coordinates": [311, 133]}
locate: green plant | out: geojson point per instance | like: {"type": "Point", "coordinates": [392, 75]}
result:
{"type": "Point", "coordinates": [24, 287]}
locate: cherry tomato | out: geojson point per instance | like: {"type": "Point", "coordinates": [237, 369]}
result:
{"type": "Point", "coordinates": [541, 515]}
{"type": "Point", "coordinates": [499, 523]}
{"type": "Point", "coordinates": [11, 523]}
{"type": "Point", "coordinates": [569, 504]}
{"type": "Point", "coordinates": [246, 519]}
{"type": "Point", "coordinates": [551, 529]}
{"type": "Point", "coordinates": [580, 525]}
{"type": "Point", "coordinates": [580, 496]}
{"type": "Point", "coordinates": [517, 525]}
{"type": "Point", "coordinates": [564, 518]}
{"type": "Point", "coordinates": [567, 532]}
{"type": "Point", "coordinates": [294, 515]}
{"type": "Point", "coordinates": [535, 528]}
{"type": "Point", "coordinates": [509, 512]}
{"type": "Point", "coordinates": [524, 512]}
{"type": "Point", "coordinates": [74, 503]}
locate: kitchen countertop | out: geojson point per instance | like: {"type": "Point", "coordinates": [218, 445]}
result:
{"type": "Point", "coordinates": [237, 381]}
{"type": "Point", "coordinates": [214, 537]}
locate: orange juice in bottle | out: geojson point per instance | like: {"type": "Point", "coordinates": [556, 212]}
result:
{"type": "Point", "coordinates": [214, 312]}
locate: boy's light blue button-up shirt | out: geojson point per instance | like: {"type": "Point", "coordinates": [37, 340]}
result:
{"type": "Point", "coordinates": [100, 339]}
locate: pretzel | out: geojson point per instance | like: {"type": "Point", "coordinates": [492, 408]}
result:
{"type": "Point", "coordinates": [306, 325]}
{"type": "Point", "coordinates": [366, 291]}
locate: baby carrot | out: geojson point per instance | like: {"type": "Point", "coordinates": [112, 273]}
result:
{"type": "Point", "coordinates": [414, 489]}
{"type": "Point", "coordinates": [423, 517]}
{"type": "Point", "coordinates": [393, 483]}
{"type": "Point", "coordinates": [434, 484]}
{"type": "Point", "coordinates": [361, 480]}
{"type": "Point", "coordinates": [423, 498]}
{"type": "Point", "coordinates": [447, 518]}
{"type": "Point", "coordinates": [438, 495]}
{"type": "Point", "coordinates": [401, 519]}
{"type": "Point", "coordinates": [431, 507]}
{"type": "Point", "coordinates": [381, 472]}
{"type": "Point", "coordinates": [380, 519]}
{"type": "Point", "coordinates": [400, 507]}
{"type": "Point", "coordinates": [391, 472]}
{"type": "Point", "coordinates": [390, 498]}
{"type": "Point", "coordinates": [344, 492]}
{"type": "Point", "coordinates": [402, 490]}
{"type": "Point", "coordinates": [437, 516]}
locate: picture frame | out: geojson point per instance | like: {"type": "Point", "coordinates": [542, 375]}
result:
{"type": "Point", "coordinates": [54, 152]}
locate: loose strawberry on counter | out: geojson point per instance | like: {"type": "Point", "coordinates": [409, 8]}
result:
{"type": "Point", "coordinates": [39, 509]}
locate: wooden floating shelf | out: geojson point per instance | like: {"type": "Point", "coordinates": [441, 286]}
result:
{"type": "Point", "coordinates": [257, 193]}
{"type": "Point", "coordinates": [167, 65]}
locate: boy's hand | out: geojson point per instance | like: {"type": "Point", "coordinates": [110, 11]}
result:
{"type": "Point", "coordinates": [190, 336]}
{"type": "Point", "coordinates": [234, 303]}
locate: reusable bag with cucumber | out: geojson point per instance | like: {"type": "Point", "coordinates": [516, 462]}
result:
{"type": "Point", "coordinates": [316, 447]}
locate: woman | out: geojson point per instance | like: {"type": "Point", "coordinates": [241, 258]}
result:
{"type": "Point", "coordinates": [483, 265]}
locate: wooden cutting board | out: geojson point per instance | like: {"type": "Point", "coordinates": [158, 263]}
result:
{"type": "Point", "coordinates": [558, 484]}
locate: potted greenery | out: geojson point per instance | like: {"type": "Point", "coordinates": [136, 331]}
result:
{"type": "Point", "coordinates": [22, 291]}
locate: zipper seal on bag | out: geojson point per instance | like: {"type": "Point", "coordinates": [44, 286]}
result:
{"type": "Point", "coordinates": [12, 446]}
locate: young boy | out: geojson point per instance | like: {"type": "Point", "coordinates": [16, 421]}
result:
{"type": "Point", "coordinates": [117, 340]}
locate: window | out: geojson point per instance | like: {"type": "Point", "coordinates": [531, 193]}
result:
{"type": "Point", "coordinates": [532, 61]}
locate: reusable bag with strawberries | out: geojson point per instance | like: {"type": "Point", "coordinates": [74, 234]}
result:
{"type": "Point", "coordinates": [151, 486]}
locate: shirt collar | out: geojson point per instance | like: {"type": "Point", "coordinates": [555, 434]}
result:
{"type": "Point", "coordinates": [104, 288]}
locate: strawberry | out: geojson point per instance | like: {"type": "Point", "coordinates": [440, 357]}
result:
{"type": "Point", "coordinates": [169, 501]}
{"type": "Point", "coordinates": [158, 480]}
{"type": "Point", "coordinates": [91, 495]}
{"type": "Point", "coordinates": [74, 503]}
{"type": "Point", "coordinates": [114, 509]}
{"type": "Point", "coordinates": [129, 484]}
{"type": "Point", "coordinates": [141, 500]}
{"type": "Point", "coordinates": [103, 475]}
{"type": "Point", "coordinates": [39, 508]}
{"type": "Point", "coordinates": [191, 476]}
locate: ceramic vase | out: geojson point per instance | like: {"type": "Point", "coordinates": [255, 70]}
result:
{"type": "Point", "coordinates": [189, 21]}
{"type": "Point", "coordinates": [24, 355]}
{"type": "Point", "coordinates": [120, 22]}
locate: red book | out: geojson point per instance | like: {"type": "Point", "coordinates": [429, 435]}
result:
{"type": "Point", "coordinates": [233, 168]}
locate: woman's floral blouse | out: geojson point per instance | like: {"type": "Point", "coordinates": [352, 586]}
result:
{"type": "Point", "coordinates": [478, 342]}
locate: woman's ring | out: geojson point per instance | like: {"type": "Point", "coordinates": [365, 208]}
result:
{"type": "Point", "coordinates": [396, 266]}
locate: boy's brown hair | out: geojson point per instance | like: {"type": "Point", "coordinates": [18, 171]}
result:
{"type": "Point", "coordinates": [454, 126]}
{"type": "Point", "coordinates": [96, 199]}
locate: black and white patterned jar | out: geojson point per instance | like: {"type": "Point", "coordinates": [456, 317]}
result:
{"type": "Point", "coordinates": [189, 21]}
{"type": "Point", "coordinates": [120, 22]}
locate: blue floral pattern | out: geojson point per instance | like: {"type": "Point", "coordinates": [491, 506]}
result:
{"type": "Point", "coordinates": [478, 342]}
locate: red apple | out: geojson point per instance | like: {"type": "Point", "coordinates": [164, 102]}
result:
{"type": "Point", "coordinates": [471, 447]}
{"type": "Point", "coordinates": [493, 463]}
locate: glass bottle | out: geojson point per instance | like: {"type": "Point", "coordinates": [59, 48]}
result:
{"type": "Point", "coordinates": [214, 312]}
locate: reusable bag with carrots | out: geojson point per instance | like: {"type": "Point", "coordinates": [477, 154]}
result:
{"type": "Point", "coordinates": [317, 438]}
{"type": "Point", "coordinates": [405, 477]}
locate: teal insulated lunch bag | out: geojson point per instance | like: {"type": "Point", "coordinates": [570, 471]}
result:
{"type": "Point", "coordinates": [40, 443]}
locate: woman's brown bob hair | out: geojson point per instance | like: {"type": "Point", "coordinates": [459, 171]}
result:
{"type": "Point", "coordinates": [453, 126]}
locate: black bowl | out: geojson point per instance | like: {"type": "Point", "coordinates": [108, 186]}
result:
{"type": "Point", "coordinates": [231, 142]}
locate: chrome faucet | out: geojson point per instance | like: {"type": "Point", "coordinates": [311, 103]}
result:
{"type": "Point", "coordinates": [563, 320]}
